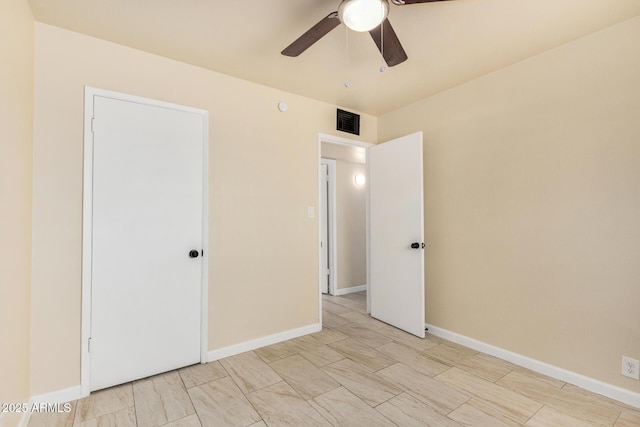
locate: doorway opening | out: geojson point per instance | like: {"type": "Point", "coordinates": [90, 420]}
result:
{"type": "Point", "coordinates": [343, 207]}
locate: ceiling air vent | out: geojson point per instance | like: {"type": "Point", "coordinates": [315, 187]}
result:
{"type": "Point", "coordinates": [348, 122]}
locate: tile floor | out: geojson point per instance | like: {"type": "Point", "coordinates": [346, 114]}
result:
{"type": "Point", "coordinates": [356, 372]}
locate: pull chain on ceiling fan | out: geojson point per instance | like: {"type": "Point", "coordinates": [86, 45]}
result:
{"type": "Point", "coordinates": [359, 15]}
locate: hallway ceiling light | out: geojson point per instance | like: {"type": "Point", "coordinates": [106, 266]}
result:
{"type": "Point", "coordinates": [359, 179]}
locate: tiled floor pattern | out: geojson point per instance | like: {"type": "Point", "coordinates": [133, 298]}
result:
{"type": "Point", "coordinates": [356, 372]}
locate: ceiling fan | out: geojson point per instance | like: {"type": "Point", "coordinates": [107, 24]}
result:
{"type": "Point", "coordinates": [359, 15]}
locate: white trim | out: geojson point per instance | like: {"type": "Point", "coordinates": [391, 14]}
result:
{"type": "Point", "coordinates": [87, 226]}
{"type": "Point", "coordinates": [614, 392]}
{"type": "Point", "coordinates": [350, 290]}
{"type": "Point", "coordinates": [204, 314]}
{"type": "Point", "coordinates": [87, 238]}
{"type": "Point", "coordinates": [59, 396]}
{"type": "Point", "coordinates": [263, 341]}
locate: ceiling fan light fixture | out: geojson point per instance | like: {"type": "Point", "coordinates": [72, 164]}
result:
{"type": "Point", "coordinates": [363, 15]}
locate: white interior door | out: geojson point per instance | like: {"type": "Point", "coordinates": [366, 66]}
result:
{"type": "Point", "coordinates": [147, 216]}
{"type": "Point", "coordinates": [396, 223]}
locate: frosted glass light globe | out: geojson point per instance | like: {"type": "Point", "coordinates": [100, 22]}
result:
{"type": "Point", "coordinates": [363, 15]}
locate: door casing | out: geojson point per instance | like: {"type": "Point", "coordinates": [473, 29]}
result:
{"type": "Point", "coordinates": [87, 226]}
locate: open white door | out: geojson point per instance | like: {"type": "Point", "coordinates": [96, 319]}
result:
{"type": "Point", "coordinates": [397, 234]}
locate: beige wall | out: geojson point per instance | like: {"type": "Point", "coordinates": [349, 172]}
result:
{"type": "Point", "coordinates": [263, 175]}
{"type": "Point", "coordinates": [16, 124]}
{"type": "Point", "coordinates": [532, 195]}
{"type": "Point", "coordinates": [16, 167]}
{"type": "Point", "coordinates": [351, 225]}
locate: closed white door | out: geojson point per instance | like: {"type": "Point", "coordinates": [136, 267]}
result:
{"type": "Point", "coordinates": [396, 233]}
{"type": "Point", "coordinates": [147, 217]}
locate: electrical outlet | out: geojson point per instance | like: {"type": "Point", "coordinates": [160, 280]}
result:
{"type": "Point", "coordinates": [630, 368]}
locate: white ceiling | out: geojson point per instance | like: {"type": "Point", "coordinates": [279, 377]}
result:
{"type": "Point", "coordinates": [447, 42]}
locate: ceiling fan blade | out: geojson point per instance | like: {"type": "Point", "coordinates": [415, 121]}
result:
{"type": "Point", "coordinates": [403, 2]}
{"type": "Point", "coordinates": [388, 44]}
{"type": "Point", "coordinates": [314, 34]}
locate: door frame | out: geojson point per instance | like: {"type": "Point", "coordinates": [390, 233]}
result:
{"type": "Point", "coordinates": [87, 224]}
{"type": "Point", "coordinates": [338, 140]}
{"type": "Point", "coordinates": [331, 224]}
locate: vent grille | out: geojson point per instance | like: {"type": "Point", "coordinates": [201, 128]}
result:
{"type": "Point", "coordinates": [348, 122]}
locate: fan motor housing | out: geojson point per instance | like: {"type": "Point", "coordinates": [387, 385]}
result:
{"type": "Point", "coordinates": [348, 122]}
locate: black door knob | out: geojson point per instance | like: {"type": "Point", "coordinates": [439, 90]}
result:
{"type": "Point", "coordinates": [193, 253]}
{"type": "Point", "coordinates": [415, 245]}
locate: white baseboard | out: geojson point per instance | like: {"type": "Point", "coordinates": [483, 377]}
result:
{"type": "Point", "coordinates": [350, 290]}
{"type": "Point", "coordinates": [60, 396]}
{"type": "Point", "coordinates": [614, 392]}
{"type": "Point", "coordinates": [263, 341]}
